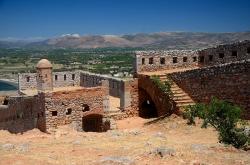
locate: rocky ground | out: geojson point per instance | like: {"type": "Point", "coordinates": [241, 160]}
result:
{"type": "Point", "coordinates": [136, 141]}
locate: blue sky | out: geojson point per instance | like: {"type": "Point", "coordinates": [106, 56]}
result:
{"type": "Point", "coordinates": [49, 18]}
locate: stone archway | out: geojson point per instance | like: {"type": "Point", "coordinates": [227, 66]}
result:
{"type": "Point", "coordinates": [92, 123]}
{"type": "Point", "coordinates": [147, 108]}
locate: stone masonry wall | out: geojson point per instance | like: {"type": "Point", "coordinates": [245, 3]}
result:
{"type": "Point", "coordinates": [27, 81]}
{"type": "Point", "coordinates": [163, 103]}
{"type": "Point", "coordinates": [64, 79]}
{"type": "Point", "coordinates": [129, 101]}
{"type": "Point", "coordinates": [136, 91]}
{"type": "Point", "coordinates": [22, 113]}
{"type": "Point", "coordinates": [229, 82]}
{"type": "Point", "coordinates": [225, 53]}
{"type": "Point", "coordinates": [65, 107]}
{"type": "Point", "coordinates": [60, 79]}
{"type": "Point", "coordinates": [92, 80]}
{"type": "Point", "coordinates": [160, 60]}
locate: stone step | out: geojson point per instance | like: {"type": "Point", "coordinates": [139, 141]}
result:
{"type": "Point", "coordinates": [184, 101]}
{"type": "Point", "coordinates": [176, 89]}
{"type": "Point", "coordinates": [182, 94]}
{"type": "Point", "coordinates": [175, 86]}
{"type": "Point", "coordinates": [181, 98]}
{"type": "Point", "coordinates": [186, 97]}
{"type": "Point", "coordinates": [178, 92]}
{"type": "Point", "coordinates": [185, 104]}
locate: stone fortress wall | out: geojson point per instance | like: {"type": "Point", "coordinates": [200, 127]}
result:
{"type": "Point", "coordinates": [230, 82]}
{"type": "Point", "coordinates": [225, 54]}
{"type": "Point", "coordinates": [73, 78]}
{"type": "Point", "coordinates": [65, 107]}
{"type": "Point", "coordinates": [22, 113]}
{"type": "Point", "coordinates": [161, 60]}
{"type": "Point", "coordinates": [27, 81]}
{"type": "Point", "coordinates": [88, 79]}
{"type": "Point", "coordinates": [83, 106]}
{"type": "Point", "coordinates": [60, 79]}
{"type": "Point", "coordinates": [147, 61]}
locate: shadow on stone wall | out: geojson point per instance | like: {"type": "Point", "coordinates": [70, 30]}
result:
{"type": "Point", "coordinates": [152, 97]}
{"type": "Point", "coordinates": [21, 114]}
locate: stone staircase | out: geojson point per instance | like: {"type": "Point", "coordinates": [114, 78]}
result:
{"type": "Point", "coordinates": [180, 97]}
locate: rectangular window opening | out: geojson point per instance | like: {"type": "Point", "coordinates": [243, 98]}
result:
{"type": "Point", "coordinates": [28, 79]}
{"type": "Point", "coordinates": [174, 60]}
{"type": "Point", "coordinates": [151, 60]}
{"type": "Point", "coordinates": [65, 77]}
{"type": "Point", "coordinates": [54, 113]}
{"type": "Point", "coordinates": [143, 61]}
{"type": "Point", "coordinates": [194, 59]}
{"type": "Point", "coordinates": [56, 77]}
{"type": "Point", "coordinates": [201, 59]}
{"type": "Point", "coordinates": [73, 76]}
{"type": "Point", "coordinates": [210, 57]}
{"type": "Point", "coordinates": [162, 60]}
{"type": "Point", "coordinates": [69, 111]}
{"type": "Point", "coordinates": [221, 55]}
{"type": "Point", "coordinates": [248, 50]}
{"type": "Point", "coordinates": [184, 59]}
{"type": "Point", "coordinates": [234, 53]}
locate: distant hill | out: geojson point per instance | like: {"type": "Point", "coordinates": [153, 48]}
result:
{"type": "Point", "coordinates": [161, 40]}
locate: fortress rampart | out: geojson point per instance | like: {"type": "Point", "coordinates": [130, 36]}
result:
{"type": "Point", "coordinates": [147, 61]}
{"type": "Point", "coordinates": [60, 79]}
{"type": "Point", "coordinates": [82, 98]}
{"type": "Point", "coordinates": [88, 79]}
{"type": "Point", "coordinates": [22, 113]}
{"type": "Point", "coordinates": [230, 82]}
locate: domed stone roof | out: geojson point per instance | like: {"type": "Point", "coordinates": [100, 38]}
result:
{"type": "Point", "coordinates": [44, 63]}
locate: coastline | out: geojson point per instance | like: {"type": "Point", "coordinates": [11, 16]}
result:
{"type": "Point", "coordinates": [10, 82]}
{"type": "Point", "coordinates": [9, 93]}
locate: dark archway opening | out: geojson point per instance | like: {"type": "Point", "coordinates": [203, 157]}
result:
{"type": "Point", "coordinates": [148, 110]}
{"type": "Point", "coordinates": [92, 123]}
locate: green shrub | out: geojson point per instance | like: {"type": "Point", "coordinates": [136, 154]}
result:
{"type": "Point", "coordinates": [224, 117]}
{"type": "Point", "coordinates": [165, 86]}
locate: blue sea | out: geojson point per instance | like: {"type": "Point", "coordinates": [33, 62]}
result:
{"type": "Point", "coordinates": [7, 87]}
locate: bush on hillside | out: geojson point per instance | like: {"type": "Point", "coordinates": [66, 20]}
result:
{"type": "Point", "coordinates": [224, 117]}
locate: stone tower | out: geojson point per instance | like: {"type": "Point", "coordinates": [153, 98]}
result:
{"type": "Point", "coordinates": [44, 75]}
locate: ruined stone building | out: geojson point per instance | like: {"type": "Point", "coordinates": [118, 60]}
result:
{"type": "Point", "coordinates": [50, 99]}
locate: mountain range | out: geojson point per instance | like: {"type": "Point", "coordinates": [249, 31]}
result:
{"type": "Point", "coordinates": [160, 40]}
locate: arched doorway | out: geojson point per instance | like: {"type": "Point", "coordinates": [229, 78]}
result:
{"type": "Point", "coordinates": [147, 108]}
{"type": "Point", "coordinates": [92, 123]}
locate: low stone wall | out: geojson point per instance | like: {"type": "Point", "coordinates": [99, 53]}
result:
{"type": "Point", "coordinates": [225, 53]}
{"type": "Point", "coordinates": [64, 79]}
{"type": "Point", "coordinates": [27, 81]}
{"type": "Point", "coordinates": [160, 60]}
{"type": "Point", "coordinates": [129, 101]}
{"type": "Point", "coordinates": [92, 80]}
{"type": "Point", "coordinates": [229, 82]}
{"type": "Point", "coordinates": [65, 107]}
{"type": "Point", "coordinates": [60, 79]}
{"type": "Point", "coordinates": [147, 61]}
{"type": "Point", "coordinates": [22, 114]}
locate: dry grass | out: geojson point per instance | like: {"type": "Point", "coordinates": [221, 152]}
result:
{"type": "Point", "coordinates": [133, 143]}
